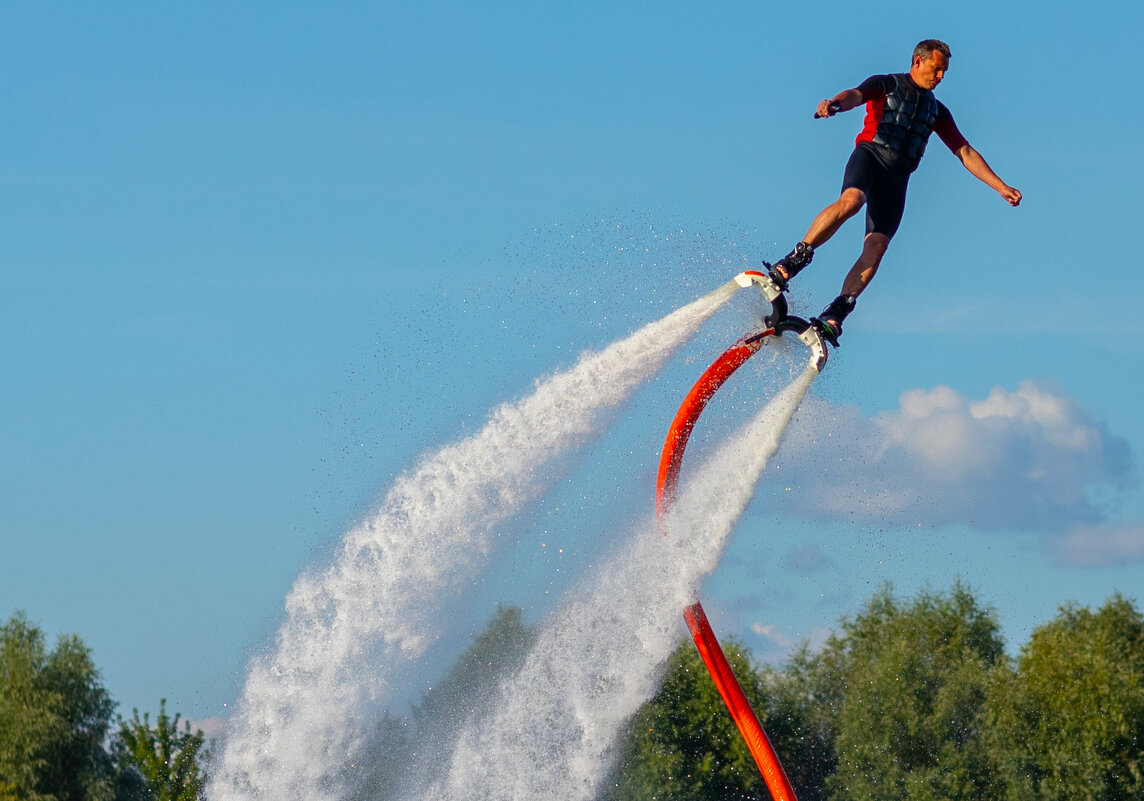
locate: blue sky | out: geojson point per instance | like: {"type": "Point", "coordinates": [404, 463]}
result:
{"type": "Point", "coordinates": [256, 260]}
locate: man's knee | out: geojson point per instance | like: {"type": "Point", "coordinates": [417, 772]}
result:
{"type": "Point", "coordinates": [877, 242]}
{"type": "Point", "coordinates": [874, 248]}
{"type": "Point", "coordinates": [851, 201]}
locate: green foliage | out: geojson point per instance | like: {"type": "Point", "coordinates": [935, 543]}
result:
{"type": "Point", "coordinates": [54, 716]}
{"type": "Point", "coordinates": [910, 701]}
{"type": "Point", "coordinates": [1070, 721]}
{"type": "Point", "coordinates": [910, 717]}
{"type": "Point", "coordinates": [168, 759]}
{"type": "Point", "coordinates": [802, 699]}
{"type": "Point", "coordinates": [385, 762]}
{"type": "Point", "coordinates": [471, 683]}
{"type": "Point", "coordinates": [403, 750]}
{"type": "Point", "coordinates": [683, 744]}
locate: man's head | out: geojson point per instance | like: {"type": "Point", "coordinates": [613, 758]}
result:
{"type": "Point", "coordinates": [930, 61]}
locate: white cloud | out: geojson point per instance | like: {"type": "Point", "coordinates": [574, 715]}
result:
{"type": "Point", "coordinates": [773, 636]}
{"type": "Point", "coordinates": [211, 727]}
{"type": "Point", "coordinates": [1031, 459]}
{"type": "Point", "coordinates": [1100, 545]}
{"type": "Point", "coordinates": [817, 637]}
{"type": "Point", "coordinates": [777, 646]}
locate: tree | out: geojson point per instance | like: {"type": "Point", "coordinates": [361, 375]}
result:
{"type": "Point", "coordinates": [384, 764]}
{"type": "Point", "coordinates": [168, 759]}
{"type": "Point", "coordinates": [471, 684]}
{"type": "Point", "coordinates": [910, 715]}
{"type": "Point", "coordinates": [401, 751]}
{"type": "Point", "coordinates": [801, 699]}
{"type": "Point", "coordinates": [54, 717]}
{"type": "Point", "coordinates": [1070, 720]}
{"type": "Point", "coordinates": [683, 744]}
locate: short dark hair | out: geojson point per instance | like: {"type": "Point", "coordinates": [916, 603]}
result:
{"type": "Point", "coordinates": [926, 46]}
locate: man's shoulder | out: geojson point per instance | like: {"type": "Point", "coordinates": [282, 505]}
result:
{"type": "Point", "coordinates": [878, 86]}
{"type": "Point", "coordinates": [890, 78]}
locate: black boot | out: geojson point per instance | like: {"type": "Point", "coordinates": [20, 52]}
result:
{"type": "Point", "coordinates": [790, 265]}
{"type": "Point", "coordinates": [829, 323]}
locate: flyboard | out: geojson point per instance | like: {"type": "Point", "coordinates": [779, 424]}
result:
{"type": "Point", "coordinates": [671, 459]}
{"type": "Point", "coordinates": [777, 323]}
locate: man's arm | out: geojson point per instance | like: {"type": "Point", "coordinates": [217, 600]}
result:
{"type": "Point", "coordinates": [846, 100]}
{"type": "Point", "coordinates": [980, 169]}
{"type": "Point", "coordinates": [873, 88]}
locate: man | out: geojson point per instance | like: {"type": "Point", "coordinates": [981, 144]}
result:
{"type": "Point", "coordinates": [901, 112]}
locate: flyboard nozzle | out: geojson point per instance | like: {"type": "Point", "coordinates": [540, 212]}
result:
{"type": "Point", "coordinates": [763, 281]}
{"type": "Point", "coordinates": [813, 340]}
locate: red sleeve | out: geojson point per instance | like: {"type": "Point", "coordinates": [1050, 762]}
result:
{"type": "Point", "coordinates": [946, 128]}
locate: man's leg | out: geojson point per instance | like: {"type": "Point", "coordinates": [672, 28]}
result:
{"type": "Point", "coordinates": [873, 249]}
{"type": "Point", "coordinates": [829, 322]}
{"type": "Point", "coordinates": [860, 176]}
{"type": "Point", "coordinates": [825, 225]}
{"type": "Point", "coordinates": [830, 219]}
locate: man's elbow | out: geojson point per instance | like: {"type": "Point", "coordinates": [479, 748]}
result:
{"type": "Point", "coordinates": [853, 99]}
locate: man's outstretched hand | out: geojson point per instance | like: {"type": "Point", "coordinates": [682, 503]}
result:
{"type": "Point", "coordinates": [1012, 196]}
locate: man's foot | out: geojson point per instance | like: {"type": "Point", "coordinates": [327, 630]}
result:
{"type": "Point", "coordinates": [790, 265]}
{"type": "Point", "coordinates": [829, 323]}
{"type": "Point", "coordinates": [830, 330]}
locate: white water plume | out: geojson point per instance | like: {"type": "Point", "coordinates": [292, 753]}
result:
{"type": "Point", "coordinates": [598, 658]}
{"type": "Point", "coordinates": [306, 706]}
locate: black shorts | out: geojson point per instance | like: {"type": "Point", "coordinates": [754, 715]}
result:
{"type": "Point", "coordinates": [884, 187]}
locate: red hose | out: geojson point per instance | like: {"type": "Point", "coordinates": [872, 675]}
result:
{"type": "Point", "coordinates": [713, 657]}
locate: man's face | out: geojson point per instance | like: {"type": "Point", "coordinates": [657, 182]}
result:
{"type": "Point", "coordinates": [928, 73]}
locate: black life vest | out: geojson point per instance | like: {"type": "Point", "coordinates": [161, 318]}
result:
{"type": "Point", "coordinates": [907, 120]}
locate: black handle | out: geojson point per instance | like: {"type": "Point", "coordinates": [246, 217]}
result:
{"type": "Point", "coordinates": [834, 108]}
